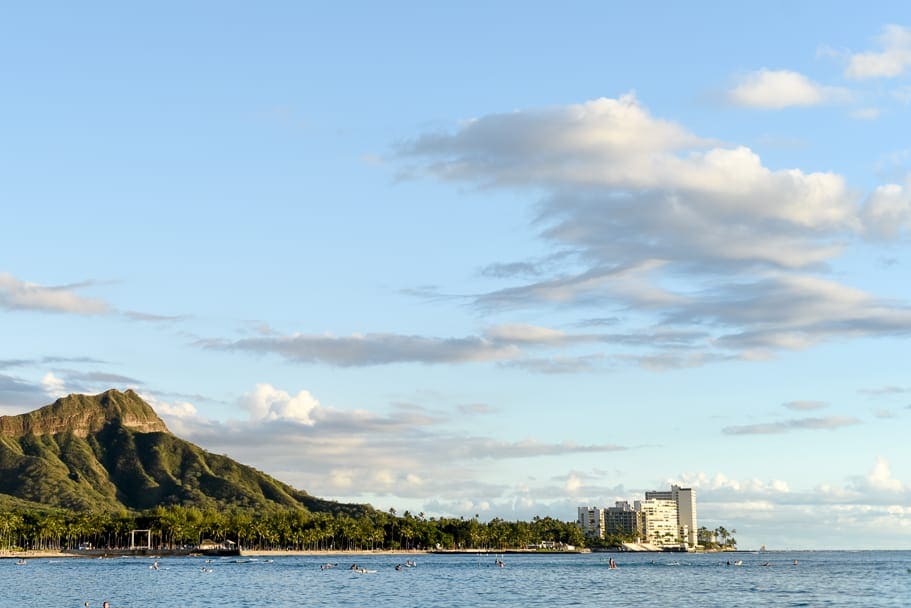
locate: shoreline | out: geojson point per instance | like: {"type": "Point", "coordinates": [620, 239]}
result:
{"type": "Point", "coordinates": [51, 554]}
{"type": "Point", "coordinates": [42, 554]}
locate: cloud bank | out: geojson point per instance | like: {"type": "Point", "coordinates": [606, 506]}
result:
{"type": "Point", "coordinates": [410, 451]}
{"type": "Point", "coordinates": [650, 219]}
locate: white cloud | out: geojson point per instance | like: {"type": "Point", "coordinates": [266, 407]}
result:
{"type": "Point", "coordinates": [893, 60]}
{"type": "Point", "coordinates": [673, 199]}
{"type": "Point", "coordinates": [880, 477]}
{"type": "Point", "coordinates": [573, 483]}
{"type": "Point", "coordinates": [887, 211]}
{"type": "Point", "coordinates": [341, 478]}
{"type": "Point", "coordinates": [21, 295]}
{"type": "Point", "coordinates": [180, 409]}
{"type": "Point", "coordinates": [266, 402]}
{"type": "Point", "coordinates": [54, 386]}
{"type": "Point", "coordinates": [777, 89]}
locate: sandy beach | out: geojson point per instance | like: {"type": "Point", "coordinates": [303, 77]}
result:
{"type": "Point", "coordinates": [30, 554]}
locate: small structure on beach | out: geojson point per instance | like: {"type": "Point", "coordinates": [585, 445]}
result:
{"type": "Point", "coordinates": [224, 548]}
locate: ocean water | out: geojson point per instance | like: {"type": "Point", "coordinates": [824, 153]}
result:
{"type": "Point", "coordinates": [864, 579]}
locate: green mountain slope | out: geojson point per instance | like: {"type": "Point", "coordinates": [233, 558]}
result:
{"type": "Point", "coordinates": [111, 451]}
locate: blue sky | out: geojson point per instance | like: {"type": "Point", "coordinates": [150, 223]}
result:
{"type": "Point", "coordinates": [503, 259]}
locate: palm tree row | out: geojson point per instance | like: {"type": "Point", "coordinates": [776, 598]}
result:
{"type": "Point", "coordinates": [719, 538]}
{"type": "Point", "coordinates": [181, 527]}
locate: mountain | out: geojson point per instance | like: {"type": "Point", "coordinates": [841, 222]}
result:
{"type": "Point", "coordinates": [111, 452]}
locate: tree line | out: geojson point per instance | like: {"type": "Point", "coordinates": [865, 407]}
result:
{"type": "Point", "coordinates": [176, 527]}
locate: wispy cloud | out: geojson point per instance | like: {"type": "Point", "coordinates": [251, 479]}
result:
{"type": "Point", "coordinates": [18, 395]}
{"type": "Point", "coordinates": [893, 60]}
{"type": "Point", "coordinates": [828, 423]}
{"type": "Point", "coordinates": [475, 409]}
{"type": "Point", "coordinates": [803, 406]}
{"type": "Point", "coordinates": [885, 391]}
{"type": "Point", "coordinates": [16, 294]}
{"type": "Point", "coordinates": [776, 89]}
{"type": "Point", "coordinates": [371, 349]}
{"type": "Point", "coordinates": [506, 343]}
{"type": "Point", "coordinates": [19, 295]}
{"type": "Point", "coordinates": [559, 364]}
{"type": "Point", "coordinates": [153, 318]}
{"type": "Point", "coordinates": [866, 113]}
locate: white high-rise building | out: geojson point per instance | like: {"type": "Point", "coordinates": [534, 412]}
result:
{"type": "Point", "coordinates": [659, 520]}
{"type": "Point", "coordinates": [591, 520]}
{"type": "Point", "coordinates": [686, 514]}
{"type": "Point", "coordinates": [685, 500]}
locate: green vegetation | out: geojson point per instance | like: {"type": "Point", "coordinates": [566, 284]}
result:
{"type": "Point", "coordinates": [612, 539]}
{"type": "Point", "coordinates": [719, 539]}
{"type": "Point", "coordinates": [177, 526]}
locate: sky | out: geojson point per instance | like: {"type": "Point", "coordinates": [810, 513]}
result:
{"type": "Point", "coordinates": [497, 259]}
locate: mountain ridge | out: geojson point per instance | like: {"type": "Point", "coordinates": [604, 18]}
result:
{"type": "Point", "coordinates": [112, 452]}
{"type": "Point", "coordinates": [83, 415]}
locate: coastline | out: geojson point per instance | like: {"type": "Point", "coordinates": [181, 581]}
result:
{"type": "Point", "coordinates": [96, 554]}
{"type": "Point", "coordinates": [42, 554]}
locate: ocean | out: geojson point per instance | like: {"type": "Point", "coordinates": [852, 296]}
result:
{"type": "Point", "coordinates": [820, 578]}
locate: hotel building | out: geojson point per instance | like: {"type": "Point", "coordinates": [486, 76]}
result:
{"type": "Point", "coordinates": [663, 518]}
